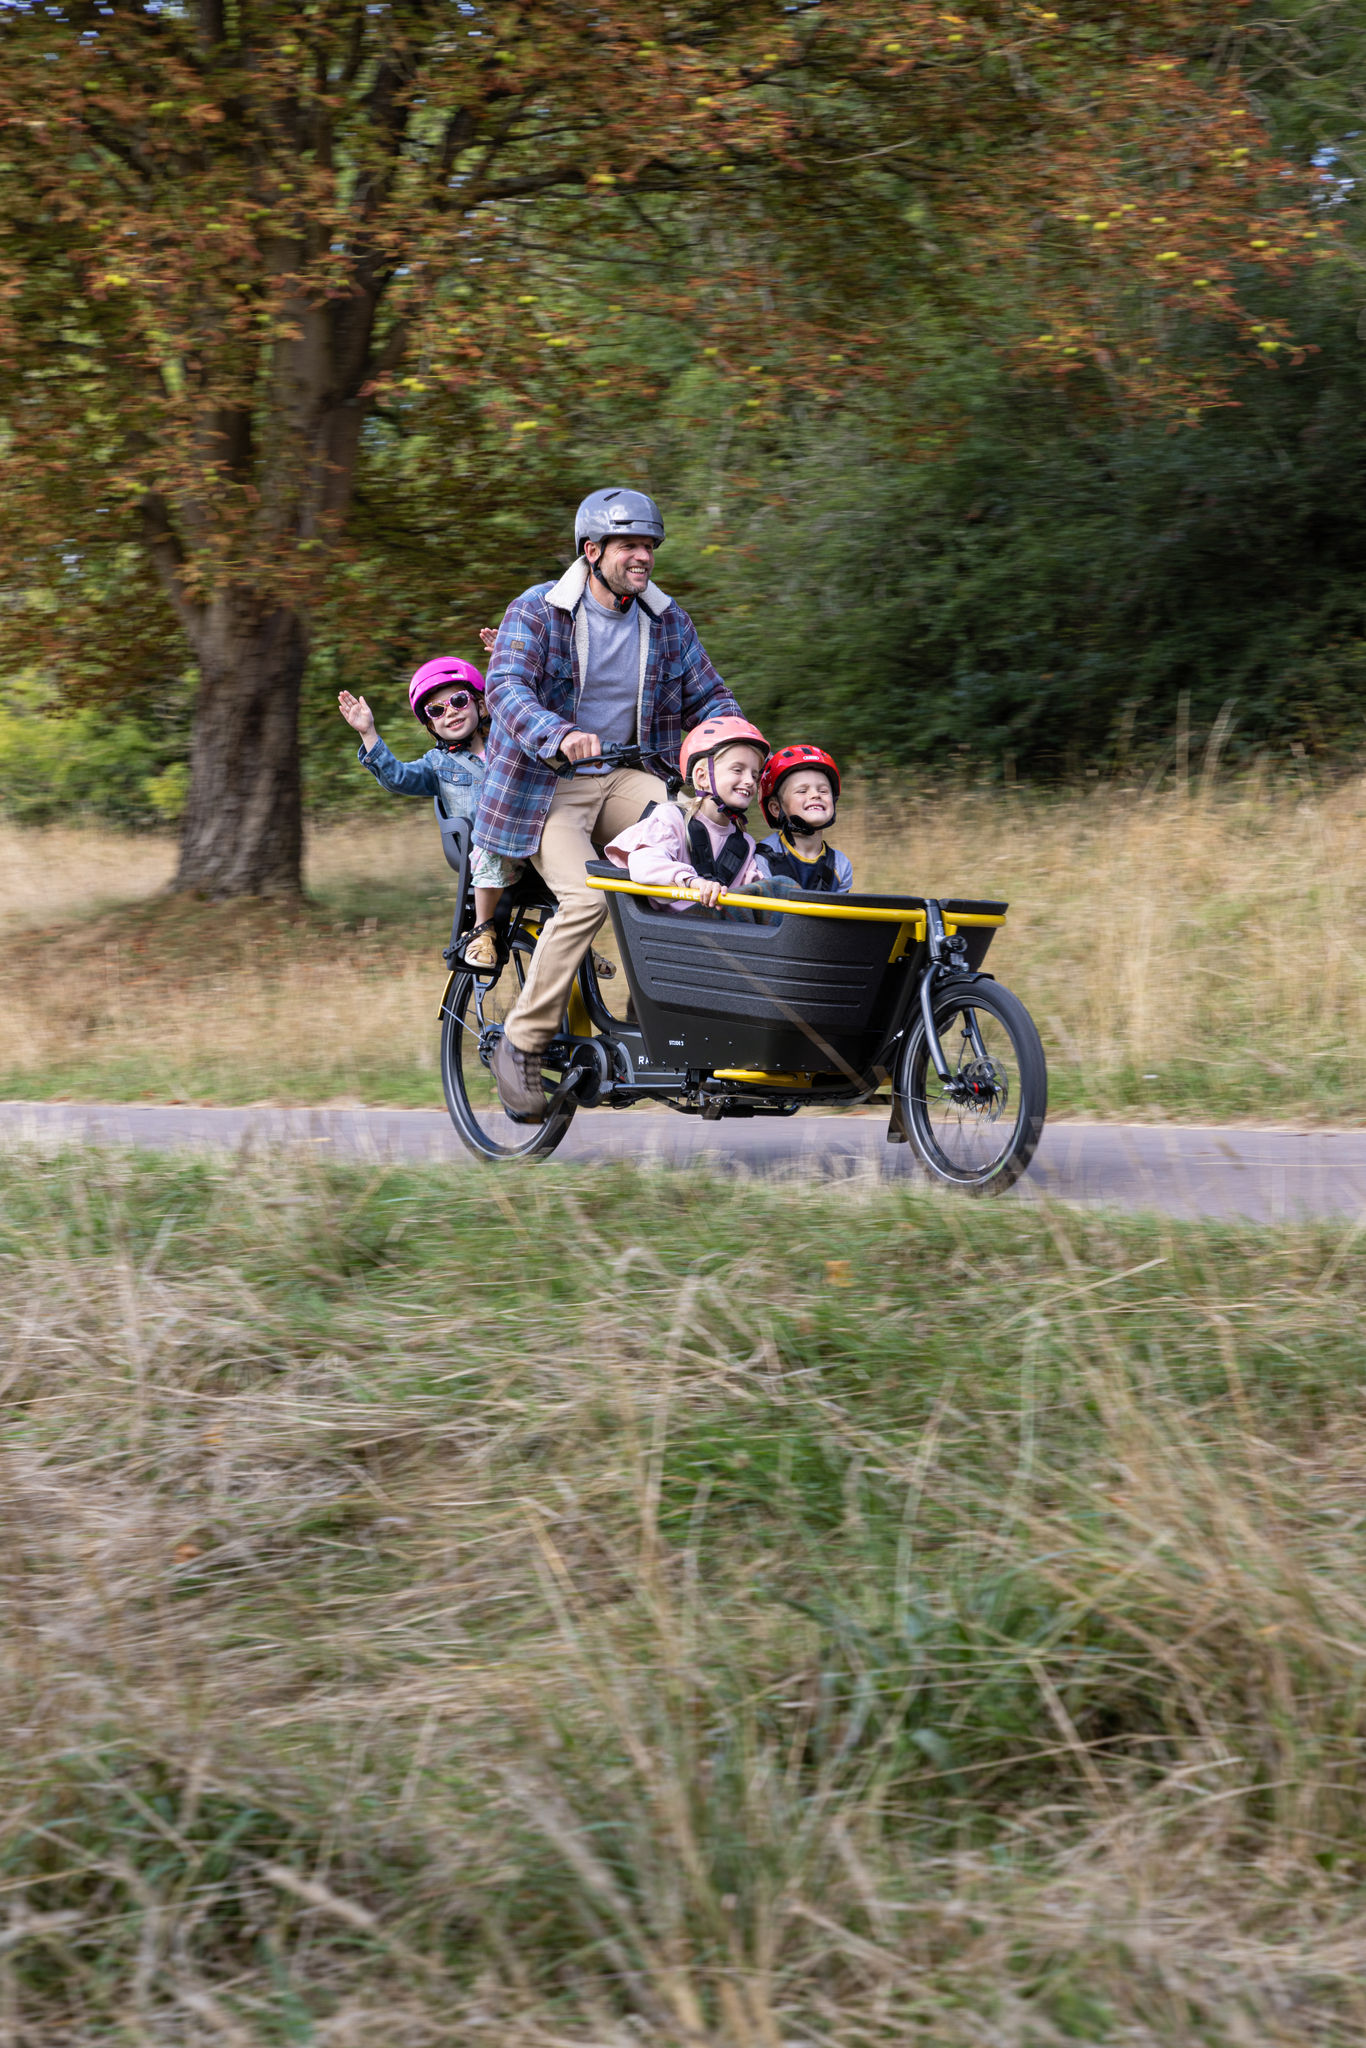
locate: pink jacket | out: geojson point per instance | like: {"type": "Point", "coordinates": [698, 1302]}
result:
{"type": "Point", "coordinates": [656, 850]}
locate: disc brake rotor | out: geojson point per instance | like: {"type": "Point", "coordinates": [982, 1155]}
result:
{"type": "Point", "coordinates": [981, 1086]}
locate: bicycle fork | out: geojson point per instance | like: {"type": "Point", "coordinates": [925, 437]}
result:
{"type": "Point", "coordinates": [948, 960]}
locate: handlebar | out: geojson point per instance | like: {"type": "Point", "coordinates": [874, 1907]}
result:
{"type": "Point", "coordinates": [612, 756]}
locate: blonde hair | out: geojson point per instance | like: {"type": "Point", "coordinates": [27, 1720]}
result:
{"type": "Point", "coordinates": [689, 799]}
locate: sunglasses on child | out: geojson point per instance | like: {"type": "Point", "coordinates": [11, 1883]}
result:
{"type": "Point", "coordinates": [457, 702]}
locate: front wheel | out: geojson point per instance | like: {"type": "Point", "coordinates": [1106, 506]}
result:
{"type": "Point", "coordinates": [977, 1130]}
{"type": "Point", "coordinates": [472, 1017]}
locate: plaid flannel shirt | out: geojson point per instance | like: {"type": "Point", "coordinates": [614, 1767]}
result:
{"type": "Point", "coordinates": [533, 684]}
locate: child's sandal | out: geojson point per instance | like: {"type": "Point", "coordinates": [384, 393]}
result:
{"type": "Point", "coordinates": [481, 947]}
{"type": "Point", "coordinates": [605, 969]}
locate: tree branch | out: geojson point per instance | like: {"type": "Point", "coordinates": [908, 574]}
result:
{"type": "Point", "coordinates": [167, 554]}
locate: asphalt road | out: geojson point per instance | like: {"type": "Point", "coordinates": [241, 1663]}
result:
{"type": "Point", "coordinates": [1268, 1175]}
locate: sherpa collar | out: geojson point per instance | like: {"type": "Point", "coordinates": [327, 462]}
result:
{"type": "Point", "coordinates": [566, 594]}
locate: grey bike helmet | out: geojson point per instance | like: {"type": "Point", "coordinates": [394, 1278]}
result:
{"type": "Point", "coordinates": [613, 512]}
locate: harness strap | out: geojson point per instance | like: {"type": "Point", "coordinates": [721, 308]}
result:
{"type": "Point", "coordinates": [720, 867]}
{"type": "Point", "coordinates": [817, 876]}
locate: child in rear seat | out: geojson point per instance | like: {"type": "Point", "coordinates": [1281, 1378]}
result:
{"type": "Point", "coordinates": [447, 697]}
{"type": "Point", "coordinates": [701, 844]}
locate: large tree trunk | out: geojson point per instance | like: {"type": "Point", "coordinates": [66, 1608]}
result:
{"type": "Point", "coordinates": [243, 830]}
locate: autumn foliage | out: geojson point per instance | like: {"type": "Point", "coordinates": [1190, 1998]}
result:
{"type": "Point", "coordinates": [234, 231]}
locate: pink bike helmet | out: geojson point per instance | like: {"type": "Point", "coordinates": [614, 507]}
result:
{"type": "Point", "coordinates": [713, 737]}
{"type": "Point", "coordinates": [442, 674]}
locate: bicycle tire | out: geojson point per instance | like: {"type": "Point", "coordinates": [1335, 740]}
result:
{"type": "Point", "coordinates": [981, 1145]}
{"type": "Point", "coordinates": [473, 1009]}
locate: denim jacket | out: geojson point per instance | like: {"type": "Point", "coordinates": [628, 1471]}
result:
{"type": "Point", "coordinates": [459, 776]}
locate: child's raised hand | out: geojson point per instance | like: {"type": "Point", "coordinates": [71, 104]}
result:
{"type": "Point", "coordinates": [708, 890]}
{"type": "Point", "coordinates": [357, 714]}
{"type": "Point", "coordinates": [488, 634]}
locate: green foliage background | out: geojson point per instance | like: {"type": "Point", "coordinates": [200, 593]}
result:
{"type": "Point", "coordinates": [1048, 594]}
{"type": "Point", "coordinates": [1053, 591]}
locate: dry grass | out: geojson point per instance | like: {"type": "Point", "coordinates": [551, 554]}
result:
{"type": "Point", "coordinates": [1214, 942]}
{"type": "Point", "coordinates": [970, 1656]}
{"type": "Point", "coordinates": [173, 999]}
{"type": "Point", "coordinates": [56, 872]}
{"type": "Point", "coordinates": [1200, 956]}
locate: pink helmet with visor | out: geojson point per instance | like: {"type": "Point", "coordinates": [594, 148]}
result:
{"type": "Point", "coordinates": [446, 672]}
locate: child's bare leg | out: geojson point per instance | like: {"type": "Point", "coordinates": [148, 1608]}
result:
{"type": "Point", "coordinates": [481, 948]}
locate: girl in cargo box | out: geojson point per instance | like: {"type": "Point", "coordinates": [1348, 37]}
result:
{"type": "Point", "coordinates": [701, 843]}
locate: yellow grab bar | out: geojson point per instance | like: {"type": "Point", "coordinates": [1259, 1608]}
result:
{"type": "Point", "coordinates": [785, 905]}
{"type": "Point", "coordinates": [779, 904]}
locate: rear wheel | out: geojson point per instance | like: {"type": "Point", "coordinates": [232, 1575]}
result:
{"type": "Point", "coordinates": [472, 1018]}
{"type": "Point", "coordinates": [977, 1130]}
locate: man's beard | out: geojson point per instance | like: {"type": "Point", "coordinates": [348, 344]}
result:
{"type": "Point", "coordinates": [615, 581]}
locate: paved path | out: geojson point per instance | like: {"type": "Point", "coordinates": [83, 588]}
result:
{"type": "Point", "coordinates": [1231, 1171]}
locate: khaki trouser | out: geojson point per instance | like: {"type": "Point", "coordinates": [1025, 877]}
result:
{"type": "Point", "coordinates": [584, 815]}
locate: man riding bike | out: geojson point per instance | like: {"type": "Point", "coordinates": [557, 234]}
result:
{"type": "Point", "coordinates": [602, 656]}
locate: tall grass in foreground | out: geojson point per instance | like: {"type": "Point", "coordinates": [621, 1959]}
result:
{"type": "Point", "coordinates": [636, 1607]}
{"type": "Point", "coordinates": [1197, 954]}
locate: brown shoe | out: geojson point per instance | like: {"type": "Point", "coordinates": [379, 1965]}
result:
{"type": "Point", "coordinates": [517, 1077]}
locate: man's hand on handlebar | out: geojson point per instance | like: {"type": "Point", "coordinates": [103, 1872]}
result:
{"type": "Point", "coordinates": [584, 746]}
{"type": "Point", "coordinates": [581, 746]}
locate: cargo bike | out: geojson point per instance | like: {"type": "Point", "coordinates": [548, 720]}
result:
{"type": "Point", "coordinates": [800, 1003]}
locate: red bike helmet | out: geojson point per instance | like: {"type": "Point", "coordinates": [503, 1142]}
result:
{"type": "Point", "coordinates": [441, 674]}
{"type": "Point", "coordinates": [712, 737]}
{"type": "Point", "coordinates": [784, 763]}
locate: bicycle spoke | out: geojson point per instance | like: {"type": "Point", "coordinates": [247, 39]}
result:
{"type": "Point", "coordinates": [477, 1010]}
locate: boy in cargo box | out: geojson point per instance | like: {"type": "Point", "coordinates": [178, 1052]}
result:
{"type": "Point", "coordinates": [798, 793]}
